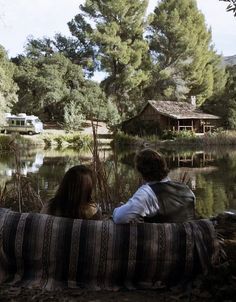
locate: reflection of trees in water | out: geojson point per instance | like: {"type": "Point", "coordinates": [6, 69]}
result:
{"type": "Point", "coordinates": [43, 180]}
{"type": "Point", "coordinates": [214, 184]}
{"type": "Point", "coordinates": [212, 174]}
{"type": "Point", "coordinates": [212, 197]}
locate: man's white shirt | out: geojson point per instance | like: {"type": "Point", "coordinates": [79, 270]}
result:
{"type": "Point", "coordinates": [143, 203]}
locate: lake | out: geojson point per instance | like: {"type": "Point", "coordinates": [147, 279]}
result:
{"type": "Point", "coordinates": [210, 173]}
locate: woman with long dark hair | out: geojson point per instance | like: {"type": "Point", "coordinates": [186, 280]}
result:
{"type": "Point", "coordinates": [73, 197]}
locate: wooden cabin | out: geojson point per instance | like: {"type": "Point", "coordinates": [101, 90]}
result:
{"type": "Point", "coordinates": [158, 116]}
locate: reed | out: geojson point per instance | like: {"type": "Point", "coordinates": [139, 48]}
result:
{"type": "Point", "coordinates": [19, 189]}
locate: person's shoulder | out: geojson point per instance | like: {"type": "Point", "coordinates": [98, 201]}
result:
{"type": "Point", "coordinates": [145, 188]}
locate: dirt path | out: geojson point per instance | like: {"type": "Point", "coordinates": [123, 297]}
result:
{"type": "Point", "coordinates": [50, 128]}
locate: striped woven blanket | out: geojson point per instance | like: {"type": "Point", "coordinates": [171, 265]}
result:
{"type": "Point", "coordinates": [50, 252]}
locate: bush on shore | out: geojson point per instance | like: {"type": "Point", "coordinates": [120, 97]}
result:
{"type": "Point", "coordinates": [75, 140]}
{"type": "Point", "coordinates": [222, 137]}
{"type": "Point", "coordinates": [64, 140]}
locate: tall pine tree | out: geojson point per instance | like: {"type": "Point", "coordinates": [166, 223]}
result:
{"type": "Point", "coordinates": [183, 60]}
{"type": "Point", "coordinates": [119, 45]}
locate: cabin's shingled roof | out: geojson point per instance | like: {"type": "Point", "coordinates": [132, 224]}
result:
{"type": "Point", "coordinates": [180, 110]}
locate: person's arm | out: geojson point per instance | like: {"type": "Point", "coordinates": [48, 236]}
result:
{"type": "Point", "coordinates": [142, 203]}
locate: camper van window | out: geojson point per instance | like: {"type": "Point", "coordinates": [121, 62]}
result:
{"type": "Point", "coordinates": [22, 123]}
{"type": "Point", "coordinates": [28, 122]}
{"type": "Point", "coordinates": [18, 123]}
{"type": "Point", "coordinates": [13, 122]}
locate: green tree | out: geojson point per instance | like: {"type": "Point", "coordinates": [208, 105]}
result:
{"type": "Point", "coordinates": [227, 102]}
{"type": "Point", "coordinates": [73, 117]}
{"type": "Point", "coordinates": [183, 60]}
{"type": "Point", "coordinates": [8, 88]}
{"type": "Point", "coordinates": [118, 44]}
{"type": "Point", "coordinates": [54, 88]}
{"type": "Point", "coordinates": [224, 103]}
{"type": "Point", "coordinates": [78, 50]}
{"type": "Point", "coordinates": [47, 84]}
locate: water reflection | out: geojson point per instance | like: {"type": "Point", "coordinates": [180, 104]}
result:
{"type": "Point", "coordinates": [211, 174]}
{"type": "Point", "coordinates": [27, 165]}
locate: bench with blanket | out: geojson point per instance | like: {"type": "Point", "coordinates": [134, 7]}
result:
{"type": "Point", "coordinates": [38, 250]}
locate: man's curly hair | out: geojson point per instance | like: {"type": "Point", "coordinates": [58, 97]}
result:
{"type": "Point", "coordinates": [151, 165]}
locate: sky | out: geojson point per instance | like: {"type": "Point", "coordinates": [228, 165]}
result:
{"type": "Point", "coordinates": [20, 19]}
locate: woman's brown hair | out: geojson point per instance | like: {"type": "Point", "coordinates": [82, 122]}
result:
{"type": "Point", "coordinates": [74, 190]}
{"type": "Point", "coordinates": [151, 165]}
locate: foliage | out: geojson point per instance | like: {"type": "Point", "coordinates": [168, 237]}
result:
{"type": "Point", "coordinates": [183, 61]}
{"type": "Point", "coordinates": [123, 139]}
{"type": "Point", "coordinates": [55, 89]}
{"type": "Point", "coordinates": [77, 49]}
{"type": "Point", "coordinates": [73, 140]}
{"type": "Point", "coordinates": [229, 99]}
{"type": "Point", "coordinates": [118, 41]}
{"type": "Point", "coordinates": [52, 86]}
{"type": "Point", "coordinates": [231, 6]}
{"type": "Point", "coordinates": [47, 84]}
{"type": "Point", "coordinates": [224, 104]}
{"type": "Point", "coordinates": [175, 135]}
{"type": "Point", "coordinates": [8, 88]}
{"type": "Point", "coordinates": [73, 118]}
{"type": "Point", "coordinates": [112, 116]}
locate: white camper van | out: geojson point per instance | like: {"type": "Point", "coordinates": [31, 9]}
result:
{"type": "Point", "coordinates": [22, 123]}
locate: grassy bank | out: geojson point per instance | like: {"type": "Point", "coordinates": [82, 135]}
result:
{"type": "Point", "coordinates": [75, 140]}
{"type": "Point", "coordinates": [226, 138]}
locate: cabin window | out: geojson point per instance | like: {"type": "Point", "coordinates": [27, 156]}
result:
{"type": "Point", "coordinates": [18, 123]}
{"type": "Point", "coordinates": [12, 122]}
{"type": "Point", "coordinates": [29, 122]}
{"type": "Point", "coordinates": [22, 123]}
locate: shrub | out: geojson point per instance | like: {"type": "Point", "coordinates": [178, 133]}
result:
{"type": "Point", "coordinates": [73, 118]}
{"type": "Point", "coordinates": [168, 134]}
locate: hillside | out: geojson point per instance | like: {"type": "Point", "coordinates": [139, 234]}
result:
{"type": "Point", "coordinates": [230, 60]}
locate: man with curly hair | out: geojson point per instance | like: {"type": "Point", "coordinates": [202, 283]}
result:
{"type": "Point", "coordinates": [160, 199]}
